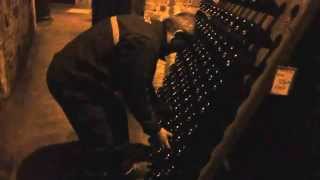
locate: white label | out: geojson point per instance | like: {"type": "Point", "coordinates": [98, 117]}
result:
{"type": "Point", "coordinates": [283, 81]}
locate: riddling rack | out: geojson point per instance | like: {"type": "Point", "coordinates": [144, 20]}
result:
{"type": "Point", "coordinates": [235, 42]}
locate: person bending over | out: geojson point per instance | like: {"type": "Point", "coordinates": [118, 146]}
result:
{"type": "Point", "coordinates": [110, 67]}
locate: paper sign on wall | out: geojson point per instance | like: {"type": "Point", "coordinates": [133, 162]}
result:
{"type": "Point", "coordinates": [283, 81]}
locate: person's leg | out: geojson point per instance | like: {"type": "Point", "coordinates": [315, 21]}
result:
{"type": "Point", "coordinates": [138, 7]}
{"type": "Point", "coordinates": [102, 9]}
{"type": "Point", "coordinates": [89, 120]}
{"type": "Point", "coordinates": [42, 10]}
{"type": "Point", "coordinates": [96, 6]}
{"type": "Point", "coordinates": [128, 153]}
{"type": "Point", "coordinates": [122, 7]}
{"type": "Point", "coordinates": [117, 115]}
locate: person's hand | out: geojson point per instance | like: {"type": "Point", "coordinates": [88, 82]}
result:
{"type": "Point", "coordinates": [164, 136]}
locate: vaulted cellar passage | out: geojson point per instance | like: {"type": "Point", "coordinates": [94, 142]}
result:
{"type": "Point", "coordinates": [30, 118]}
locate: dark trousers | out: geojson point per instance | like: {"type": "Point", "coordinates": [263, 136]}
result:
{"type": "Point", "coordinates": [100, 120]}
{"type": "Point", "coordinates": [42, 9]}
{"type": "Point", "coordinates": [102, 9]}
{"type": "Point", "coordinates": [99, 117]}
{"type": "Point", "coordinates": [138, 6]}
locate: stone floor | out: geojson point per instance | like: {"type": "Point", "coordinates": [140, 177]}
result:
{"type": "Point", "coordinates": [31, 122]}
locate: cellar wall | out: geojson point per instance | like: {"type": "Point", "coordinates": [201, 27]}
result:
{"type": "Point", "coordinates": [16, 30]}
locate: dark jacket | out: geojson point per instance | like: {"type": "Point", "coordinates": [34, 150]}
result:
{"type": "Point", "coordinates": [92, 61]}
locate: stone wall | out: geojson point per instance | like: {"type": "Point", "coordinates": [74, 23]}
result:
{"type": "Point", "coordinates": [16, 30]}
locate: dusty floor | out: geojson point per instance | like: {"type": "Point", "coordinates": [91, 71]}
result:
{"type": "Point", "coordinates": [31, 120]}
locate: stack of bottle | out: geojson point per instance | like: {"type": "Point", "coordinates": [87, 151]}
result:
{"type": "Point", "coordinates": [245, 32]}
{"type": "Point", "coordinates": [194, 81]}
